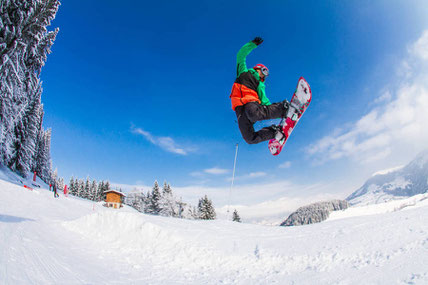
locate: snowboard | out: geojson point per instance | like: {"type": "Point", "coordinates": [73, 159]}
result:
{"type": "Point", "coordinates": [298, 105]}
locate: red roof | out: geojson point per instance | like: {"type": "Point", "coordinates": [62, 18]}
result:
{"type": "Point", "coordinates": [114, 191]}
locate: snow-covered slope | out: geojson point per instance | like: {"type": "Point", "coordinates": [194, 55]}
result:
{"type": "Point", "coordinates": [44, 240]}
{"type": "Point", "coordinates": [394, 184]}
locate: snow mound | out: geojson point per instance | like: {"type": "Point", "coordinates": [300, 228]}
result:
{"type": "Point", "coordinates": [124, 229]}
{"type": "Point", "coordinates": [145, 239]}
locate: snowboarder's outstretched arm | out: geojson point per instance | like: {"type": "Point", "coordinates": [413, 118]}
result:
{"type": "Point", "coordinates": [241, 64]}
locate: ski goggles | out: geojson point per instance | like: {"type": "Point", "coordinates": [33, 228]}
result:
{"type": "Point", "coordinates": [265, 71]}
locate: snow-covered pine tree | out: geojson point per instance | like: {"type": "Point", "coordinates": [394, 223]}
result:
{"type": "Point", "coordinates": [133, 199]}
{"type": "Point", "coordinates": [206, 209]}
{"type": "Point", "coordinates": [72, 187]}
{"type": "Point", "coordinates": [25, 137]}
{"type": "Point", "coordinates": [60, 184]}
{"type": "Point", "coordinates": [43, 164]}
{"type": "Point", "coordinates": [143, 201]}
{"type": "Point", "coordinates": [154, 206]}
{"type": "Point", "coordinates": [100, 191]}
{"type": "Point", "coordinates": [236, 217]}
{"type": "Point", "coordinates": [39, 141]}
{"type": "Point", "coordinates": [24, 45]}
{"type": "Point", "coordinates": [106, 186]}
{"type": "Point", "coordinates": [87, 189]}
{"type": "Point", "coordinates": [93, 190]}
{"type": "Point", "coordinates": [191, 213]}
{"type": "Point", "coordinates": [146, 205]}
{"type": "Point", "coordinates": [166, 189]}
{"type": "Point", "coordinates": [39, 154]}
{"type": "Point", "coordinates": [80, 188]}
{"type": "Point", "coordinates": [168, 205]}
{"type": "Point", "coordinates": [54, 177]}
{"type": "Point", "coordinates": [18, 151]}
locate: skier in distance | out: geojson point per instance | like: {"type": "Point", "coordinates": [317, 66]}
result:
{"type": "Point", "coordinates": [249, 99]}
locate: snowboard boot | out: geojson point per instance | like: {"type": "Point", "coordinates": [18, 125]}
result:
{"type": "Point", "coordinates": [279, 132]}
{"type": "Point", "coordinates": [286, 105]}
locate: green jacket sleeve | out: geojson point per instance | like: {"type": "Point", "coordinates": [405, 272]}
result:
{"type": "Point", "coordinates": [241, 65]}
{"type": "Point", "coordinates": [262, 94]}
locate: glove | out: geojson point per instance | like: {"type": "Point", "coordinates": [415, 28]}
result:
{"type": "Point", "coordinates": [257, 40]}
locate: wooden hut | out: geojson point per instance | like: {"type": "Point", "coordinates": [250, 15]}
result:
{"type": "Point", "coordinates": [114, 198]}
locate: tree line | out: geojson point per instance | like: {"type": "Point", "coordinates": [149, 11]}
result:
{"type": "Point", "coordinates": [86, 189]}
{"type": "Point", "coordinates": [25, 43]}
{"type": "Point", "coordinates": [164, 203]}
{"type": "Point", "coordinates": [158, 201]}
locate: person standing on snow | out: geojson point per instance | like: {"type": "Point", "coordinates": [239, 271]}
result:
{"type": "Point", "coordinates": [249, 99]}
{"type": "Point", "coordinates": [55, 191]}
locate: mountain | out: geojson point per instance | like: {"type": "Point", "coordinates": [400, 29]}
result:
{"type": "Point", "coordinates": [403, 182]}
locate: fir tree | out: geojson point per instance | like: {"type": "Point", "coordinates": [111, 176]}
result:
{"type": "Point", "coordinates": [60, 184]}
{"type": "Point", "coordinates": [192, 213]}
{"type": "Point", "coordinates": [39, 142]}
{"type": "Point", "coordinates": [24, 143]}
{"type": "Point", "coordinates": [93, 191]}
{"type": "Point", "coordinates": [80, 188]}
{"type": "Point", "coordinates": [168, 205]}
{"type": "Point", "coordinates": [206, 209]}
{"type": "Point", "coordinates": [72, 188]}
{"type": "Point", "coordinates": [24, 45]}
{"type": "Point", "coordinates": [87, 190]}
{"type": "Point", "coordinates": [100, 191]}
{"type": "Point", "coordinates": [44, 163]}
{"type": "Point", "coordinates": [166, 190]}
{"type": "Point", "coordinates": [136, 199]}
{"type": "Point", "coordinates": [236, 217]}
{"type": "Point", "coordinates": [147, 204]}
{"type": "Point", "coordinates": [106, 186]}
{"type": "Point", "coordinates": [19, 155]}
{"type": "Point", "coordinates": [154, 206]}
{"type": "Point", "coordinates": [54, 178]}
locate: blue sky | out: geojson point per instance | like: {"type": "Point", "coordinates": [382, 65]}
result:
{"type": "Point", "coordinates": [138, 91]}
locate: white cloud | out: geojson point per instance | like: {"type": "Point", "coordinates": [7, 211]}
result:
{"type": "Point", "coordinates": [385, 96]}
{"type": "Point", "coordinates": [420, 47]}
{"type": "Point", "coordinates": [397, 124]}
{"type": "Point", "coordinates": [286, 164]}
{"type": "Point", "coordinates": [166, 143]}
{"type": "Point", "coordinates": [257, 174]}
{"type": "Point", "coordinates": [216, 171]}
{"type": "Point", "coordinates": [251, 175]}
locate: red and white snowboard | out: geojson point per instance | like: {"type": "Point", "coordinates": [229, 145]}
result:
{"type": "Point", "coordinates": [298, 105]}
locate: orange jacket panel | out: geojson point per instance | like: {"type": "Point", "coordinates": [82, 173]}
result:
{"type": "Point", "coordinates": [241, 95]}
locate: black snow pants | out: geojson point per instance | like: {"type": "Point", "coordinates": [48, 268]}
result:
{"type": "Point", "coordinates": [252, 112]}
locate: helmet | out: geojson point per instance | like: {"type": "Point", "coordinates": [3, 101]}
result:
{"type": "Point", "coordinates": [262, 68]}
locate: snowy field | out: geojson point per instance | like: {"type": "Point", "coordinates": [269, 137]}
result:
{"type": "Point", "coordinates": [44, 240]}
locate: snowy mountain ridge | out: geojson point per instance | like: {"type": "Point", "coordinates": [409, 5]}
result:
{"type": "Point", "coordinates": [393, 184]}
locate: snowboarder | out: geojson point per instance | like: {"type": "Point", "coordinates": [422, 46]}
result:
{"type": "Point", "coordinates": [249, 99]}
